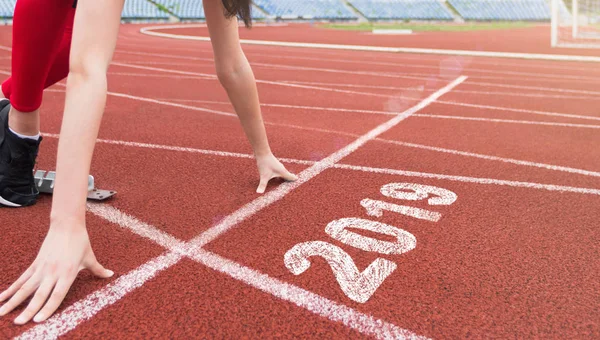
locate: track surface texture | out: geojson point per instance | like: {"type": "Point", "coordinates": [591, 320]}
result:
{"type": "Point", "coordinates": [439, 197]}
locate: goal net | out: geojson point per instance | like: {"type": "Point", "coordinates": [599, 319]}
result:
{"type": "Point", "coordinates": [576, 23]}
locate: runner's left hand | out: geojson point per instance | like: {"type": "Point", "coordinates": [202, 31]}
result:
{"type": "Point", "coordinates": [270, 167]}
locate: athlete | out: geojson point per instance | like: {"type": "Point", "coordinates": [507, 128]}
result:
{"type": "Point", "coordinates": [66, 248]}
{"type": "Point", "coordinates": [42, 32]}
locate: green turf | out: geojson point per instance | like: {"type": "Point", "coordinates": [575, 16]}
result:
{"type": "Point", "coordinates": [444, 27]}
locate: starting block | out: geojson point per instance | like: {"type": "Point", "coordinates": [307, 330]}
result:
{"type": "Point", "coordinates": [44, 180]}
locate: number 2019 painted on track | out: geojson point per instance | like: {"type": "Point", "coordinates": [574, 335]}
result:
{"type": "Point", "coordinates": [360, 286]}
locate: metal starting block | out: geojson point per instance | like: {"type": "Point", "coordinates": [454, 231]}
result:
{"type": "Point", "coordinates": [44, 180]}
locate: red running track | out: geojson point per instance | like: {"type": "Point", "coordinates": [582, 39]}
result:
{"type": "Point", "coordinates": [513, 253]}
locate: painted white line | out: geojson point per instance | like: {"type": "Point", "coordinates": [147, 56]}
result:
{"type": "Point", "coordinates": [378, 95]}
{"type": "Point", "coordinates": [299, 107]}
{"type": "Point", "coordinates": [391, 113]}
{"type": "Point", "coordinates": [279, 83]}
{"type": "Point", "coordinates": [140, 228]}
{"type": "Point", "coordinates": [531, 95]}
{"type": "Point", "coordinates": [195, 108]}
{"type": "Point", "coordinates": [489, 181]}
{"type": "Point", "coordinates": [502, 108]}
{"type": "Point", "coordinates": [154, 101]}
{"type": "Point", "coordinates": [273, 196]}
{"type": "Point", "coordinates": [537, 88]}
{"type": "Point", "coordinates": [416, 76]}
{"type": "Point", "coordinates": [184, 149]}
{"type": "Point", "coordinates": [493, 158]}
{"type": "Point", "coordinates": [86, 308]}
{"type": "Point", "coordinates": [149, 31]}
{"type": "Point", "coordinates": [314, 303]}
{"type": "Point", "coordinates": [494, 93]}
{"type": "Point", "coordinates": [315, 108]}
{"type": "Point", "coordinates": [367, 169]}
{"type": "Point", "coordinates": [404, 75]}
{"type": "Point", "coordinates": [291, 84]}
{"type": "Point", "coordinates": [442, 73]}
{"type": "Point", "coordinates": [160, 102]}
{"type": "Point", "coordinates": [162, 55]}
{"type": "Point", "coordinates": [342, 56]}
{"type": "Point", "coordinates": [399, 60]}
{"type": "Point", "coordinates": [510, 121]}
{"type": "Point", "coordinates": [162, 76]}
{"type": "Point", "coordinates": [465, 66]}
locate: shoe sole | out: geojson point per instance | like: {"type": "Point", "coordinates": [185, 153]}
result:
{"type": "Point", "coordinates": [8, 203]}
{"type": "Point", "coordinates": [3, 104]}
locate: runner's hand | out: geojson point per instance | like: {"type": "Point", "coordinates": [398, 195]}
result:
{"type": "Point", "coordinates": [62, 255]}
{"type": "Point", "coordinates": [270, 167]}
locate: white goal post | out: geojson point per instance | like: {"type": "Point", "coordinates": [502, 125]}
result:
{"type": "Point", "coordinates": [575, 23]}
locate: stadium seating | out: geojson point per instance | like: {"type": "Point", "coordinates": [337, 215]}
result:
{"type": "Point", "coordinates": [488, 10]}
{"type": "Point", "coordinates": [193, 9]}
{"type": "Point", "coordinates": [184, 9]}
{"type": "Point", "coordinates": [317, 9]}
{"type": "Point", "coordinates": [7, 7]}
{"type": "Point", "coordinates": [142, 9]}
{"type": "Point", "coordinates": [509, 10]}
{"type": "Point", "coordinates": [402, 9]}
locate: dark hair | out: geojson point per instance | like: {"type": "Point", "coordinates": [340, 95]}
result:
{"type": "Point", "coordinates": [240, 9]}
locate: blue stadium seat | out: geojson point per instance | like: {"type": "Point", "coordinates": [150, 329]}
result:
{"type": "Point", "coordinates": [193, 9]}
{"type": "Point", "coordinates": [317, 9]}
{"type": "Point", "coordinates": [142, 9]}
{"type": "Point", "coordinates": [509, 10]}
{"type": "Point", "coordinates": [184, 9]}
{"type": "Point", "coordinates": [403, 9]}
{"type": "Point", "coordinates": [7, 8]}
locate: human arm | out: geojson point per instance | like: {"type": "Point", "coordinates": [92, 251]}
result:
{"type": "Point", "coordinates": [66, 249]}
{"type": "Point", "coordinates": [236, 76]}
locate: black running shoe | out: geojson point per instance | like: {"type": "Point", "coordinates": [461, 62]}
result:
{"type": "Point", "coordinates": [17, 160]}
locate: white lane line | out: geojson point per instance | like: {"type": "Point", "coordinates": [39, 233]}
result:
{"type": "Point", "coordinates": [158, 75]}
{"type": "Point", "coordinates": [535, 112]}
{"type": "Point", "coordinates": [492, 93]}
{"type": "Point", "coordinates": [278, 83]}
{"type": "Point", "coordinates": [183, 149]}
{"type": "Point", "coordinates": [320, 55]}
{"type": "Point", "coordinates": [169, 102]}
{"type": "Point", "coordinates": [529, 95]}
{"type": "Point", "coordinates": [155, 101]}
{"type": "Point", "coordinates": [403, 75]}
{"type": "Point", "coordinates": [493, 158]}
{"type": "Point", "coordinates": [273, 196]}
{"type": "Point", "coordinates": [86, 308]}
{"type": "Point", "coordinates": [299, 107]}
{"type": "Point", "coordinates": [182, 106]}
{"type": "Point", "coordinates": [195, 108]}
{"type": "Point", "coordinates": [340, 55]}
{"type": "Point", "coordinates": [149, 31]}
{"type": "Point", "coordinates": [314, 303]}
{"type": "Point", "coordinates": [391, 113]}
{"type": "Point", "coordinates": [491, 181]}
{"type": "Point", "coordinates": [140, 228]}
{"type": "Point", "coordinates": [537, 88]}
{"type": "Point", "coordinates": [358, 168]}
{"type": "Point", "coordinates": [510, 121]}
{"type": "Point", "coordinates": [436, 67]}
